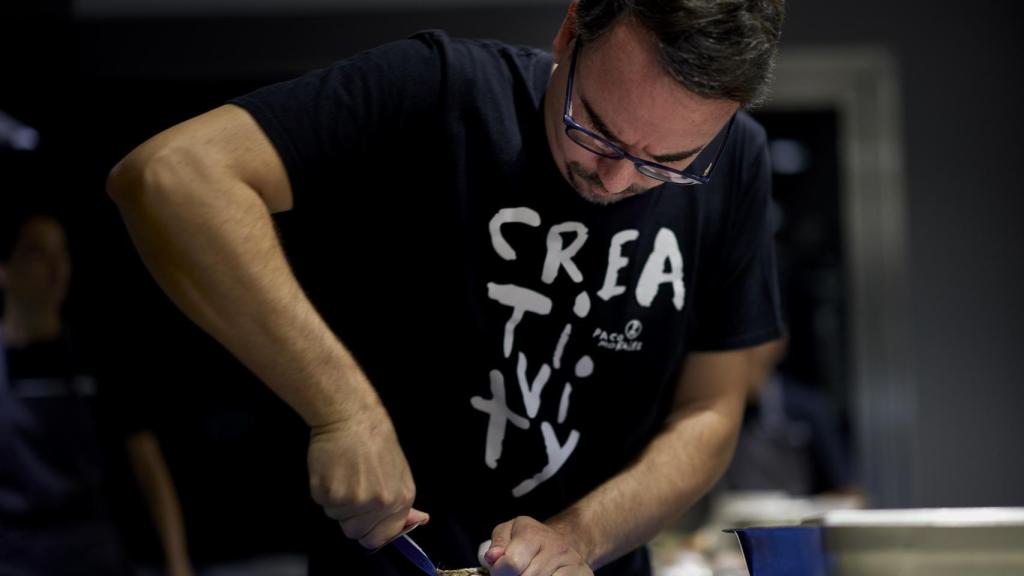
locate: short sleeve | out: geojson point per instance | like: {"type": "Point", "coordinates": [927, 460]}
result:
{"type": "Point", "coordinates": [328, 120]}
{"type": "Point", "coordinates": [742, 307]}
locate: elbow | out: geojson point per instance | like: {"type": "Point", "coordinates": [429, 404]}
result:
{"type": "Point", "coordinates": [127, 180]}
{"type": "Point", "coordinates": [119, 179]}
{"type": "Point", "coordinates": [145, 175]}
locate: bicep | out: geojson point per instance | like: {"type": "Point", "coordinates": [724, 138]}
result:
{"type": "Point", "coordinates": [716, 380]}
{"type": "Point", "coordinates": [252, 156]}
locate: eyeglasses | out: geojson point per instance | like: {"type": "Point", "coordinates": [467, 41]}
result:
{"type": "Point", "coordinates": [698, 172]}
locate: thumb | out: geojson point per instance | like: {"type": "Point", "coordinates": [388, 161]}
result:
{"type": "Point", "coordinates": [499, 540]}
{"type": "Point", "coordinates": [481, 554]}
{"type": "Point", "coordinates": [416, 518]}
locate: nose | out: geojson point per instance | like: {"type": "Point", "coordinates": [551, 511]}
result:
{"type": "Point", "coordinates": [616, 175]}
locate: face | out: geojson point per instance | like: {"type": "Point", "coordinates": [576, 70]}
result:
{"type": "Point", "coordinates": [622, 92]}
{"type": "Point", "coordinates": [39, 269]}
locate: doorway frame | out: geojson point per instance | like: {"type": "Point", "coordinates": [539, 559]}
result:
{"type": "Point", "coordinates": [862, 85]}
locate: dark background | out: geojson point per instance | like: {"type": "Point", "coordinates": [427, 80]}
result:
{"type": "Point", "coordinates": [97, 81]}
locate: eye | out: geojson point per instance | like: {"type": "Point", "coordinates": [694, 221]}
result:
{"type": "Point", "coordinates": [587, 121]}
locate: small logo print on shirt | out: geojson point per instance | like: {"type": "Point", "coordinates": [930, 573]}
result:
{"type": "Point", "coordinates": [633, 329]}
{"type": "Point", "coordinates": [625, 341]}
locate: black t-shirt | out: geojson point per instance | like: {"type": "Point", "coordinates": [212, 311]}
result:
{"type": "Point", "coordinates": [54, 508]}
{"type": "Point", "coordinates": [526, 342]}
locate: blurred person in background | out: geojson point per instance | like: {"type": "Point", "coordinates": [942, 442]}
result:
{"type": "Point", "coordinates": [791, 439]}
{"type": "Point", "coordinates": [55, 515]}
{"type": "Point", "coordinates": [553, 268]}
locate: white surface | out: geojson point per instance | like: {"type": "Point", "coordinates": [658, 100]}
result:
{"type": "Point", "coordinates": [925, 517]}
{"type": "Point", "coordinates": [774, 508]}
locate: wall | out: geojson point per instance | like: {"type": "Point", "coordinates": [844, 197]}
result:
{"type": "Point", "coordinates": [961, 83]}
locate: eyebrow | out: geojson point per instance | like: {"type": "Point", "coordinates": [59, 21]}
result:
{"type": "Point", "coordinates": [603, 128]}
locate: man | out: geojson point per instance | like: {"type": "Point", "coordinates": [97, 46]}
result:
{"type": "Point", "coordinates": [54, 518]}
{"type": "Point", "coordinates": [532, 336]}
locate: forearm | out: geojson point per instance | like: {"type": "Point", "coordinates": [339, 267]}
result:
{"type": "Point", "coordinates": [679, 465]}
{"type": "Point", "coordinates": [162, 499]}
{"type": "Point", "coordinates": [673, 472]}
{"type": "Point", "coordinates": [196, 199]}
{"type": "Point", "coordinates": [209, 242]}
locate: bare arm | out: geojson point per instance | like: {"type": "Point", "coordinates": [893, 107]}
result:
{"type": "Point", "coordinates": [679, 465]}
{"type": "Point", "coordinates": [196, 199]}
{"type": "Point", "coordinates": [154, 479]}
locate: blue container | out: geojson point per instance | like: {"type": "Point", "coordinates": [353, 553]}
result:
{"type": "Point", "coordinates": [783, 551]}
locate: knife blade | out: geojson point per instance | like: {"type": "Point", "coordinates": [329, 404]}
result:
{"type": "Point", "coordinates": [414, 554]}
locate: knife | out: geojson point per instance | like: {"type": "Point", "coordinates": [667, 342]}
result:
{"type": "Point", "coordinates": [414, 554]}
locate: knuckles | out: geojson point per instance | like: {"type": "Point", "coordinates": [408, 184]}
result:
{"type": "Point", "coordinates": [527, 539]}
{"type": "Point", "coordinates": [513, 564]}
{"type": "Point", "coordinates": [338, 494]}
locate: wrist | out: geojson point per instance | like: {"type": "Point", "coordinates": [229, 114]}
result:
{"type": "Point", "coordinates": [345, 395]}
{"type": "Point", "coordinates": [571, 526]}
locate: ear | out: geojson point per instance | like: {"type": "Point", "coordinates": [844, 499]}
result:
{"type": "Point", "coordinates": [566, 34]}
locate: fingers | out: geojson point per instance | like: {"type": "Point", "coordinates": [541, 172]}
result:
{"type": "Point", "coordinates": [511, 554]}
{"type": "Point", "coordinates": [344, 506]}
{"type": "Point", "coordinates": [519, 556]}
{"type": "Point", "coordinates": [383, 532]}
{"type": "Point", "coordinates": [373, 530]}
{"type": "Point", "coordinates": [481, 553]}
{"type": "Point", "coordinates": [359, 526]}
{"type": "Point", "coordinates": [500, 537]}
{"type": "Point", "coordinates": [364, 483]}
{"type": "Point", "coordinates": [538, 560]}
{"type": "Point", "coordinates": [526, 547]}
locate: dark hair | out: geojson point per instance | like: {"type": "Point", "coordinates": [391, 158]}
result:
{"type": "Point", "coordinates": [13, 223]}
{"type": "Point", "coordinates": [715, 48]}
{"type": "Point", "coordinates": [31, 188]}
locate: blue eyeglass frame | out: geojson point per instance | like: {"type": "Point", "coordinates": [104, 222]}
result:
{"type": "Point", "coordinates": [692, 177]}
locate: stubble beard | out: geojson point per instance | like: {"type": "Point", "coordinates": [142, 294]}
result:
{"type": "Point", "coordinates": [585, 183]}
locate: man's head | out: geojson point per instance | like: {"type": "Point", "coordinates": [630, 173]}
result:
{"type": "Point", "coordinates": [35, 266]}
{"type": "Point", "coordinates": [718, 49]}
{"type": "Point", "coordinates": [658, 79]}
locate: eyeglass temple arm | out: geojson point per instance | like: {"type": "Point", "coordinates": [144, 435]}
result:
{"type": "Point", "coordinates": [721, 146]}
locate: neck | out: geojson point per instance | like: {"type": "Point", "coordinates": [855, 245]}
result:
{"type": "Point", "coordinates": [22, 329]}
